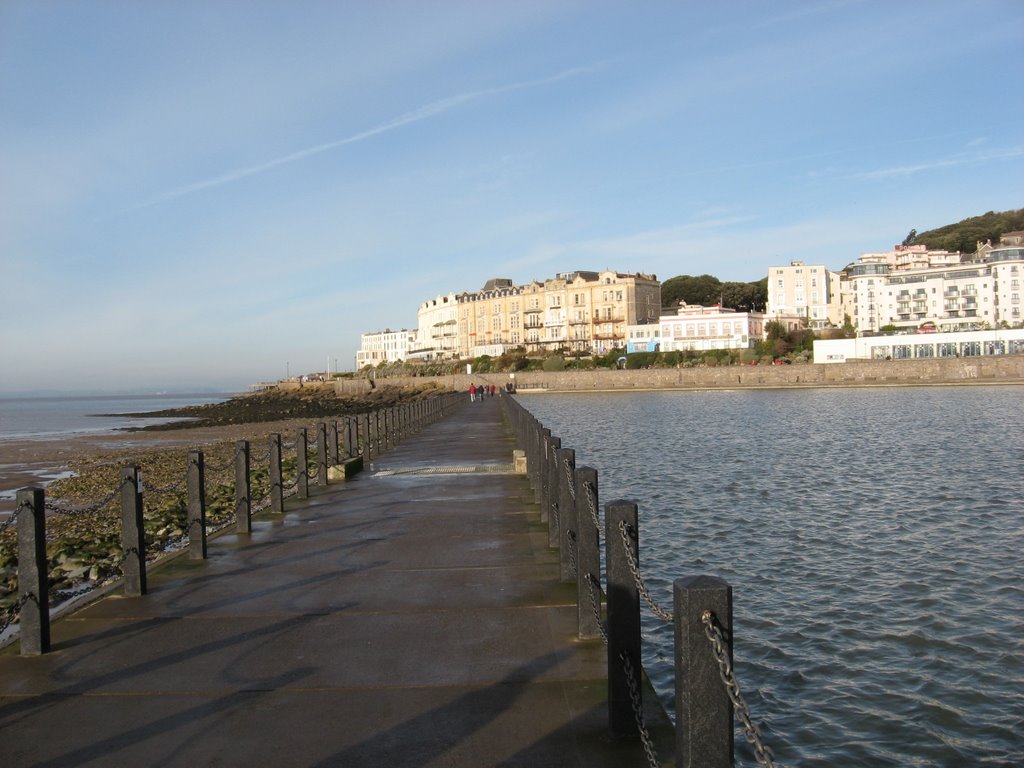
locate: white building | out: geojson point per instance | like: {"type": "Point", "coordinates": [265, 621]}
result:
{"type": "Point", "coordinates": [696, 328]}
{"type": "Point", "coordinates": [437, 332]}
{"type": "Point", "coordinates": [920, 346]}
{"type": "Point", "coordinates": [385, 346]}
{"type": "Point", "coordinates": [810, 293]}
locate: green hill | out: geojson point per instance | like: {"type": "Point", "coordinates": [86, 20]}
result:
{"type": "Point", "coordinates": [964, 235]}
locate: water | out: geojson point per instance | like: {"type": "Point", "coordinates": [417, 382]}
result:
{"type": "Point", "coordinates": [49, 418]}
{"type": "Point", "coordinates": [874, 539]}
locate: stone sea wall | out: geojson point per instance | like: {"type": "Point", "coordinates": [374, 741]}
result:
{"type": "Point", "coordinates": [973, 370]}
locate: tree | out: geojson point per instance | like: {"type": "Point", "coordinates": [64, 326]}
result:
{"type": "Point", "coordinates": [910, 238]}
{"type": "Point", "coordinates": [704, 289]}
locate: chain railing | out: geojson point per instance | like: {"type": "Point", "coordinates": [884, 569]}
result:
{"type": "Point", "coordinates": [707, 717]}
{"type": "Point", "coordinates": [751, 732]}
{"type": "Point", "coordinates": [88, 509]}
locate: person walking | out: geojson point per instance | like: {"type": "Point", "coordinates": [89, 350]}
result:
{"type": "Point", "coordinates": [472, 392]}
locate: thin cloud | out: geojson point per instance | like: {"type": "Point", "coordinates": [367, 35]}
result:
{"type": "Point", "coordinates": [433, 109]}
{"type": "Point", "coordinates": [912, 170]}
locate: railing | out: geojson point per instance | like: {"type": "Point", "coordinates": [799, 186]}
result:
{"type": "Point", "coordinates": [248, 482]}
{"type": "Point", "coordinates": [707, 694]}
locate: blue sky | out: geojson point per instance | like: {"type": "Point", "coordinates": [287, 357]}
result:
{"type": "Point", "coordinates": [208, 194]}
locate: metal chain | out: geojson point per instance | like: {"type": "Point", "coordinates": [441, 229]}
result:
{"type": "Point", "coordinates": [14, 516]}
{"type": "Point", "coordinates": [634, 568]}
{"type": "Point", "coordinates": [89, 509]}
{"type": "Point", "coordinates": [591, 492]}
{"type": "Point", "coordinates": [569, 479]}
{"type": "Point", "coordinates": [175, 487]}
{"type": "Point", "coordinates": [594, 588]}
{"type": "Point", "coordinates": [259, 458]}
{"type": "Point", "coordinates": [215, 468]}
{"type": "Point", "coordinates": [713, 630]}
{"type": "Point", "coordinates": [570, 539]}
{"type": "Point", "coordinates": [15, 612]}
{"type": "Point", "coordinates": [638, 709]}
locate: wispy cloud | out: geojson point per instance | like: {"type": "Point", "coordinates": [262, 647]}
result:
{"type": "Point", "coordinates": [934, 165]}
{"type": "Point", "coordinates": [427, 111]}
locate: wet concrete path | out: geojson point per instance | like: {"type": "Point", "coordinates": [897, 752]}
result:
{"type": "Point", "coordinates": [409, 617]}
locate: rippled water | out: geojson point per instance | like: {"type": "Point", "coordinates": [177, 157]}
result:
{"type": "Point", "coordinates": [874, 539]}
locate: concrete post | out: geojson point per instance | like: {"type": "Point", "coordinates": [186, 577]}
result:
{"type": "Point", "coordinates": [565, 466]}
{"type": "Point", "coordinates": [276, 476]}
{"type": "Point", "coordinates": [623, 616]}
{"type": "Point", "coordinates": [302, 463]}
{"type": "Point", "coordinates": [704, 713]}
{"type": "Point", "coordinates": [33, 573]}
{"type": "Point", "coordinates": [543, 475]}
{"type": "Point", "coordinates": [196, 481]}
{"type": "Point", "coordinates": [346, 437]}
{"type": "Point", "coordinates": [243, 488]}
{"type": "Point", "coordinates": [321, 454]}
{"type": "Point", "coordinates": [588, 556]}
{"type": "Point", "coordinates": [133, 535]}
{"type": "Point", "coordinates": [553, 490]}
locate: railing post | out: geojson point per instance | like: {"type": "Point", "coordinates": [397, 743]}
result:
{"type": "Point", "coordinates": [623, 616]}
{"type": "Point", "coordinates": [332, 439]}
{"type": "Point", "coordinates": [301, 463]}
{"type": "Point", "coordinates": [243, 488]}
{"type": "Point", "coordinates": [346, 438]}
{"type": "Point", "coordinates": [321, 454]}
{"type": "Point", "coordinates": [588, 555]}
{"type": "Point", "coordinates": [704, 713]}
{"type": "Point", "coordinates": [196, 481]}
{"type": "Point", "coordinates": [364, 425]}
{"type": "Point", "coordinates": [565, 459]}
{"type": "Point", "coordinates": [133, 535]}
{"type": "Point", "coordinates": [276, 476]}
{"type": "Point", "coordinates": [552, 492]}
{"type": "Point", "coordinates": [33, 574]}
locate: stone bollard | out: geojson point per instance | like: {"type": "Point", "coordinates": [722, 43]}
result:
{"type": "Point", "coordinates": [588, 556]}
{"type": "Point", "coordinates": [364, 427]}
{"type": "Point", "coordinates": [332, 440]}
{"type": "Point", "coordinates": [623, 617]}
{"type": "Point", "coordinates": [276, 475]}
{"type": "Point", "coordinates": [33, 573]}
{"type": "Point", "coordinates": [704, 730]}
{"type": "Point", "coordinates": [243, 488]}
{"type": "Point", "coordinates": [196, 482]}
{"type": "Point", "coordinates": [133, 536]}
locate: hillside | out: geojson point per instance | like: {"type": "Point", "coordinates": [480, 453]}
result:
{"type": "Point", "coordinates": [964, 235]}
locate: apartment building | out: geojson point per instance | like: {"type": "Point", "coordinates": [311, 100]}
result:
{"type": "Point", "coordinates": [697, 328]}
{"type": "Point", "coordinates": [437, 331]}
{"type": "Point", "coordinates": [808, 293]}
{"type": "Point", "coordinates": [907, 287]}
{"type": "Point", "coordinates": [578, 312]}
{"type": "Point", "coordinates": [385, 346]}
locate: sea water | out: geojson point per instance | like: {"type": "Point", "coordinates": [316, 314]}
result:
{"type": "Point", "coordinates": [874, 540]}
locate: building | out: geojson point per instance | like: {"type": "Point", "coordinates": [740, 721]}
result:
{"type": "Point", "coordinates": [573, 312]}
{"type": "Point", "coordinates": [804, 294]}
{"type": "Point", "coordinates": [921, 346]}
{"type": "Point", "coordinates": [385, 346]}
{"type": "Point", "coordinates": [908, 288]}
{"type": "Point", "coordinates": [437, 329]}
{"type": "Point", "coordinates": [696, 329]}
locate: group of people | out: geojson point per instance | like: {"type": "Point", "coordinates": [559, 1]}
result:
{"type": "Point", "coordinates": [479, 393]}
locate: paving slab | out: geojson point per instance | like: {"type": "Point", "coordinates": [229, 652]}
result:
{"type": "Point", "coordinates": [395, 619]}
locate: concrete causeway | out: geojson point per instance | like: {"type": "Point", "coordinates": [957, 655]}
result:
{"type": "Point", "coordinates": [409, 617]}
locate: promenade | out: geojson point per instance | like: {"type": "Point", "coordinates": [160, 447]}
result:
{"type": "Point", "coordinates": [412, 616]}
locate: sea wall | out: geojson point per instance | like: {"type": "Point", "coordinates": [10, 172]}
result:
{"type": "Point", "coordinates": [1007, 369]}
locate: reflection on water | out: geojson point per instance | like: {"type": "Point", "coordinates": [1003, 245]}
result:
{"type": "Point", "coordinates": [873, 539]}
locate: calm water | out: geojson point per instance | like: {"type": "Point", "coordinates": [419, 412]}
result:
{"type": "Point", "coordinates": [53, 417]}
{"type": "Point", "coordinates": [874, 539]}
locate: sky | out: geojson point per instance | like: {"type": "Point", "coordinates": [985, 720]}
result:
{"type": "Point", "coordinates": [196, 196]}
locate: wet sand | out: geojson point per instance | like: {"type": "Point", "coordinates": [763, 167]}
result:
{"type": "Point", "coordinates": [25, 463]}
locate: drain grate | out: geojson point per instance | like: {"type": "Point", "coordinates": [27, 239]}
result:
{"type": "Point", "coordinates": [450, 469]}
